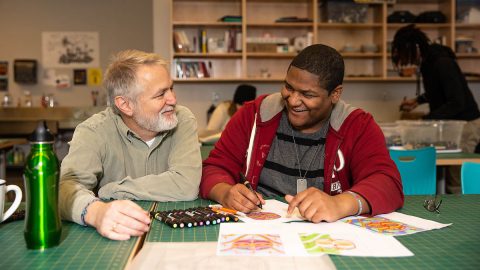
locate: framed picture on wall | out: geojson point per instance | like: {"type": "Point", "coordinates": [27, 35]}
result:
{"type": "Point", "coordinates": [3, 76]}
{"type": "Point", "coordinates": [70, 49]}
{"type": "Point", "coordinates": [79, 76]}
{"type": "Point", "coordinates": [3, 84]}
{"type": "Point", "coordinates": [25, 71]}
{"type": "Point", "coordinates": [3, 68]}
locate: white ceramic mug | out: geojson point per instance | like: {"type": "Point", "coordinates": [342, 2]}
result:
{"type": "Point", "coordinates": [18, 198]}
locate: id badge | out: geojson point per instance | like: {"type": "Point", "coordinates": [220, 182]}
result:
{"type": "Point", "coordinates": [301, 184]}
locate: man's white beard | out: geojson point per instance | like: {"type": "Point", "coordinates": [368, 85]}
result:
{"type": "Point", "coordinates": [158, 123]}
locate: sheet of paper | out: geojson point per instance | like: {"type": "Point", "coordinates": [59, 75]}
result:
{"type": "Point", "coordinates": [273, 212]}
{"type": "Point", "coordinates": [305, 239]}
{"type": "Point", "coordinates": [201, 255]}
{"type": "Point", "coordinates": [395, 224]}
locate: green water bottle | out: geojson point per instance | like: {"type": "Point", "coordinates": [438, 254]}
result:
{"type": "Point", "coordinates": [43, 227]}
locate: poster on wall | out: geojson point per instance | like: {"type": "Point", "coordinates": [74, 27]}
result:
{"type": "Point", "coordinates": [3, 75]}
{"type": "Point", "coordinates": [70, 49]}
{"type": "Point", "coordinates": [94, 76]}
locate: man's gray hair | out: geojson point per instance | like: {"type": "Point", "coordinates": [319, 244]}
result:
{"type": "Point", "coordinates": [121, 75]}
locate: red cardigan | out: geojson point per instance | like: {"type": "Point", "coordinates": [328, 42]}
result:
{"type": "Point", "coordinates": [356, 157]}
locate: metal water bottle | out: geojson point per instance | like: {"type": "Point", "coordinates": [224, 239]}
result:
{"type": "Point", "coordinates": [43, 227]}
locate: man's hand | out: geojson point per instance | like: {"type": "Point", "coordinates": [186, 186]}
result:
{"type": "Point", "coordinates": [237, 197]}
{"type": "Point", "coordinates": [118, 220]}
{"type": "Point", "coordinates": [316, 205]}
{"type": "Point", "coordinates": [408, 104]}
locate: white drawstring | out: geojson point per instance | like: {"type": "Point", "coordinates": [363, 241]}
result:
{"type": "Point", "coordinates": [342, 163]}
{"type": "Point", "coordinates": [250, 144]}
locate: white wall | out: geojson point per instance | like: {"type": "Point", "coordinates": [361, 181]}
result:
{"type": "Point", "coordinates": [126, 24]}
{"type": "Point", "coordinates": [121, 24]}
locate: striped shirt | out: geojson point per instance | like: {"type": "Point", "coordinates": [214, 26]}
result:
{"type": "Point", "coordinates": [281, 169]}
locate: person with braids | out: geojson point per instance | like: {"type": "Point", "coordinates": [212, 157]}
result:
{"type": "Point", "coordinates": [326, 157]}
{"type": "Point", "coordinates": [446, 88]}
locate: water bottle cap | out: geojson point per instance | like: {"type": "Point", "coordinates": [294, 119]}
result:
{"type": "Point", "coordinates": [41, 133]}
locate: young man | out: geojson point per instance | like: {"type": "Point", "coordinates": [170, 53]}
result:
{"type": "Point", "coordinates": [446, 88]}
{"type": "Point", "coordinates": [143, 147]}
{"type": "Point", "coordinates": [328, 158]}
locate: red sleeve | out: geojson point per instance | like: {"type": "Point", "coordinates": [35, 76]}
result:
{"type": "Point", "coordinates": [375, 175]}
{"type": "Point", "coordinates": [228, 156]}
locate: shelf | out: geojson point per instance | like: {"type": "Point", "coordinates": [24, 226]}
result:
{"type": "Point", "coordinates": [420, 2]}
{"type": "Point", "coordinates": [363, 79]}
{"type": "Point", "coordinates": [209, 24]}
{"type": "Point", "coordinates": [468, 55]}
{"type": "Point", "coordinates": [270, 55]}
{"type": "Point", "coordinates": [207, 55]}
{"type": "Point", "coordinates": [361, 55]}
{"type": "Point", "coordinates": [207, 1]}
{"type": "Point", "coordinates": [420, 25]}
{"type": "Point", "coordinates": [282, 24]}
{"type": "Point", "coordinates": [473, 78]}
{"type": "Point", "coordinates": [279, 1]}
{"type": "Point", "coordinates": [401, 79]}
{"type": "Point", "coordinates": [472, 26]}
{"type": "Point", "coordinates": [259, 20]}
{"type": "Point", "coordinates": [350, 25]}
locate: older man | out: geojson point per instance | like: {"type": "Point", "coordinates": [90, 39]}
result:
{"type": "Point", "coordinates": [328, 158]}
{"type": "Point", "coordinates": [143, 147]}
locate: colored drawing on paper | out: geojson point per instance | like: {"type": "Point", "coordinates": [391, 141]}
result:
{"type": "Point", "coordinates": [263, 215]}
{"type": "Point", "coordinates": [251, 244]}
{"type": "Point", "coordinates": [384, 226]}
{"type": "Point", "coordinates": [316, 243]}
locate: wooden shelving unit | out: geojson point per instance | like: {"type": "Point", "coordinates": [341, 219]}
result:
{"type": "Point", "coordinates": [258, 19]}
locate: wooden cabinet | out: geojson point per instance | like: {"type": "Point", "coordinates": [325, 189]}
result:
{"type": "Point", "coordinates": [469, 61]}
{"type": "Point", "coordinates": [363, 44]}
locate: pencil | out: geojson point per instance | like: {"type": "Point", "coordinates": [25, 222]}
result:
{"type": "Point", "coordinates": [228, 210]}
{"type": "Point", "coordinates": [247, 184]}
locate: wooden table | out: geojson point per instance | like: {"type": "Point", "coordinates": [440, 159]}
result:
{"type": "Point", "coordinates": [451, 159]}
{"type": "Point", "coordinates": [454, 159]}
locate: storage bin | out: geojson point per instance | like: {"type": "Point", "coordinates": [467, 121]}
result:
{"type": "Point", "coordinates": [344, 11]}
{"type": "Point", "coordinates": [392, 134]}
{"type": "Point", "coordinates": [444, 135]}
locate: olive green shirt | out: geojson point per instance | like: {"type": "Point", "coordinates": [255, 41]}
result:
{"type": "Point", "coordinates": [105, 155]}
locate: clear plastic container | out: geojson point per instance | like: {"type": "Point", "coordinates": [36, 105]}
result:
{"type": "Point", "coordinates": [392, 133]}
{"type": "Point", "coordinates": [450, 135]}
{"type": "Point", "coordinates": [444, 135]}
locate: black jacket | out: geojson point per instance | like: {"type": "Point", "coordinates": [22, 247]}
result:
{"type": "Point", "coordinates": [446, 89]}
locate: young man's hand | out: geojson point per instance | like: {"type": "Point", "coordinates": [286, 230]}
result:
{"type": "Point", "coordinates": [316, 205]}
{"type": "Point", "coordinates": [237, 197]}
{"type": "Point", "coordinates": [408, 105]}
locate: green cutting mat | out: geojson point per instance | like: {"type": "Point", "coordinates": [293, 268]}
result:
{"type": "Point", "coordinates": [454, 247]}
{"type": "Point", "coordinates": [160, 232]}
{"type": "Point", "coordinates": [81, 248]}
